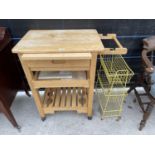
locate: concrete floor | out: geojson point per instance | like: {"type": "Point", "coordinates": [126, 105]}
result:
{"type": "Point", "coordinates": [26, 114]}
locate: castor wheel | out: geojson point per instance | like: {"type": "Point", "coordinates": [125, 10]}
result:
{"type": "Point", "coordinates": [102, 118]}
{"type": "Point", "coordinates": [43, 119]}
{"type": "Point", "coordinates": [118, 118]}
{"type": "Point", "coordinates": [89, 117]}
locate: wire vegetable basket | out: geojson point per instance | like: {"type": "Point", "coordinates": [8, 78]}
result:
{"type": "Point", "coordinates": [116, 69]}
{"type": "Point", "coordinates": [112, 77]}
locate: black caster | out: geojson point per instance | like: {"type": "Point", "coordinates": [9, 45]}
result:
{"type": "Point", "coordinates": [118, 118]}
{"type": "Point", "coordinates": [43, 119]}
{"type": "Point", "coordinates": [130, 107]}
{"type": "Point", "coordinates": [89, 118]}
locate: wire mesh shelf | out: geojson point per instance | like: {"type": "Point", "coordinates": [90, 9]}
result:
{"type": "Point", "coordinates": [112, 77]}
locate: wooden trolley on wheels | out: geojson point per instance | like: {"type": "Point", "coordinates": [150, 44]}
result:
{"type": "Point", "coordinates": [61, 51]}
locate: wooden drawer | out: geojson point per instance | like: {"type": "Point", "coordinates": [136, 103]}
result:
{"type": "Point", "coordinates": [58, 62]}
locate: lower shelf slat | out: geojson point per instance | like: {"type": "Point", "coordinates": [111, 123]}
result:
{"type": "Point", "coordinates": [68, 98]}
{"type": "Point", "coordinates": [74, 98]}
{"type": "Point", "coordinates": [63, 98]}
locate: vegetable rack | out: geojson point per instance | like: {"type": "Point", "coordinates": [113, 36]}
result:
{"type": "Point", "coordinates": [112, 77]}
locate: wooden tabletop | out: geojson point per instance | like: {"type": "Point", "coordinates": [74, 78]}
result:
{"type": "Point", "coordinates": [48, 41]}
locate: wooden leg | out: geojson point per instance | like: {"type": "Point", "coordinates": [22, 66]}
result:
{"type": "Point", "coordinates": [139, 100]}
{"type": "Point", "coordinates": [146, 115]}
{"type": "Point", "coordinates": [132, 88]}
{"type": "Point", "coordinates": [38, 102]}
{"type": "Point", "coordinates": [22, 79]}
{"type": "Point", "coordinates": [35, 92]}
{"type": "Point", "coordinates": [27, 93]}
{"type": "Point", "coordinates": [91, 84]}
{"type": "Point", "coordinates": [139, 82]}
{"type": "Point", "coordinates": [8, 114]}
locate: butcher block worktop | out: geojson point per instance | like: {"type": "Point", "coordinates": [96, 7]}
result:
{"type": "Point", "coordinates": [48, 41]}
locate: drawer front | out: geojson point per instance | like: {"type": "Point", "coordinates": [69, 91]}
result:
{"type": "Point", "coordinates": [58, 64]}
{"type": "Point", "coordinates": [61, 61]}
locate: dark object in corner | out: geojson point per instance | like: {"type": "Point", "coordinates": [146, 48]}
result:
{"type": "Point", "coordinates": [146, 80]}
{"type": "Point", "coordinates": [9, 76]}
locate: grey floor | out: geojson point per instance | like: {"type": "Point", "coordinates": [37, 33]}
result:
{"type": "Point", "coordinates": [26, 114]}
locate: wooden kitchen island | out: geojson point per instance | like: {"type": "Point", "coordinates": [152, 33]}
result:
{"type": "Point", "coordinates": [70, 51]}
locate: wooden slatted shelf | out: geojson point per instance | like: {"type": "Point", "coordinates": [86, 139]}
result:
{"type": "Point", "coordinates": [65, 99]}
